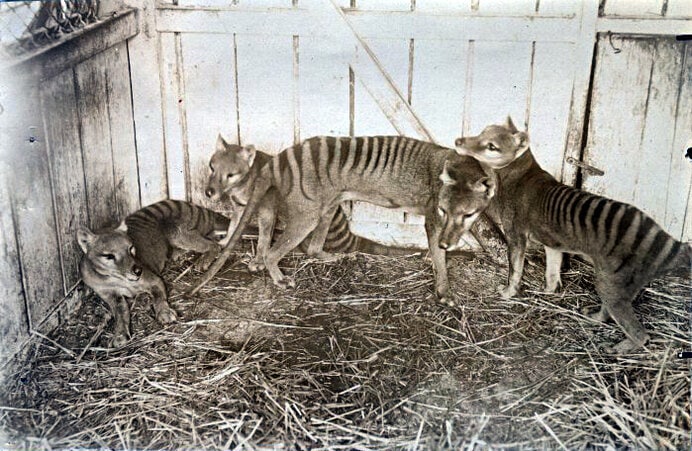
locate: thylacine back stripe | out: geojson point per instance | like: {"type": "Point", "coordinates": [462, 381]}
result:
{"type": "Point", "coordinates": [660, 242]}
{"type": "Point", "coordinates": [572, 213]}
{"type": "Point", "coordinates": [671, 255]}
{"type": "Point", "coordinates": [374, 158]}
{"type": "Point", "coordinates": [387, 149]}
{"type": "Point", "coordinates": [583, 213]}
{"type": "Point", "coordinates": [361, 142]}
{"type": "Point", "coordinates": [646, 226]}
{"type": "Point", "coordinates": [564, 217]}
{"type": "Point", "coordinates": [557, 207]}
{"type": "Point", "coordinates": [610, 216]}
{"type": "Point", "coordinates": [611, 232]}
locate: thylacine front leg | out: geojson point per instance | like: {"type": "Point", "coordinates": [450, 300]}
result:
{"type": "Point", "coordinates": [439, 260]}
{"type": "Point", "coordinates": [516, 250]}
{"type": "Point", "coordinates": [120, 309]}
{"type": "Point", "coordinates": [553, 262]}
{"type": "Point", "coordinates": [266, 219]}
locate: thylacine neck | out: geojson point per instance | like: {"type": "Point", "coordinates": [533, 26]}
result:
{"type": "Point", "coordinates": [519, 169]}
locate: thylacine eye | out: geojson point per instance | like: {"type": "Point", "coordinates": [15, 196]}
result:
{"type": "Point", "coordinates": [469, 215]}
{"type": "Point", "coordinates": [108, 256]}
{"type": "Point", "coordinates": [133, 251]}
{"type": "Point", "coordinates": [211, 167]}
{"type": "Point", "coordinates": [492, 147]}
{"type": "Point", "coordinates": [441, 211]}
{"type": "Point", "coordinates": [229, 176]}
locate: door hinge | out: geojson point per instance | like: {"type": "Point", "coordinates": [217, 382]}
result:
{"type": "Point", "coordinates": [587, 168]}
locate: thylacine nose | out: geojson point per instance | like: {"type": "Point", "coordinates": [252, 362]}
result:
{"type": "Point", "coordinates": [210, 192]}
{"type": "Point", "coordinates": [459, 142]}
{"type": "Point", "coordinates": [444, 244]}
{"type": "Point", "coordinates": [137, 270]}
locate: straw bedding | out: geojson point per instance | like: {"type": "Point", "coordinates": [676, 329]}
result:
{"type": "Point", "coordinates": [358, 356]}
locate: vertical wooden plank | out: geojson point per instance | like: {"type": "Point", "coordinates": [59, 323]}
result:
{"type": "Point", "coordinates": [14, 326]}
{"type": "Point", "coordinates": [678, 209]}
{"type": "Point", "coordinates": [582, 62]}
{"type": "Point", "coordinates": [92, 107]}
{"type": "Point", "coordinates": [618, 113]}
{"type": "Point", "coordinates": [209, 73]}
{"type": "Point", "coordinates": [145, 70]}
{"type": "Point", "coordinates": [439, 71]}
{"type": "Point", "coordinates": [633, 8]}
{"type": "Point", "coordinates": [265, 83]}
{"type": "Point", "coordinates": [173, 115]}
{"type": "Point", "coordinates": [324, 90]}
{"type": "Point", "coordinates": [652, 185]}
{"type": "Point", "coordinates": [125, 170]}
{"type": "Point", "coordinates": [59, 107]}
{"type": "Point", "coordinates": [551, 90]}
{"type": "Point", "coordinates": [498, 91]}
{"type": "Point", "coordinates": [32, 207]}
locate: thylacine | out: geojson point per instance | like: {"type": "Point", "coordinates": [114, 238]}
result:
{"type": "Point", "coordinates": [312, 178]}
{"type": "Point", "coordinates": [120, 264]}
{"type": "Point", "coordinates": [229, 183]}
{"type": "Point", "coordinates": [628, 249]}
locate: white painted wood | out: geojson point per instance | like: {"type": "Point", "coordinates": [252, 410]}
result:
{"type": "Point", "coordinates": [558, 7]}
{"type": "Point", "coordinates": [265, 87]}
{"type": "Point", "coordinates": [324, 90]}
{"type": "Point", "coordinates": [174, 105]}
{"type": "Point", "coordinates": [210, 102]}
{"type": "Point", "coordinates": [59, 107]}
{"type": "Point", "coordinates": [551, 91]}
{"type": "Point", "coordinates": [92, 107]}
{"type": "Point", "coordinates": [125, 170]}
{"type": "Point", "coordinates": [384, 5]}
{"type": "Point", "coordinates": [507, 7]}
{"type": "Point", "coordinates": [654, 27]}
{"type": "Point", "coordinates": [393, 55]}
{"type": "Point", "coordinates": [652, 185]}
{"type": "Point", "coordinates": [444, 6]}
{"type": "Point", "coordinates": [679, 206]}
{"type": "Point", "coordinates": [145, 71]}
{"type": "Point", "coordinates": [582, 61]}
{"type": "Point", "coordinates": [633, 8]}
{"type": "Point", "coordinates": [439, 70]}
{"type": "Point", "coordinates": [679, 8]}
{"type": "Point", "coordinates": [498, 88]}
{"type": "Point", "coordinates": [370, 24]}
{"type": "Point", "coordinates": [615, 134]}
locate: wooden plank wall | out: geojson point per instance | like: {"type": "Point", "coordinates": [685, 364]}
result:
{"type": "Point", "coordinates": [68, 159]}
{"type": "Point", "coordinates": [641, 144]}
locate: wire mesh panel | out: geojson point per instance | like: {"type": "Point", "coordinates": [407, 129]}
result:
{"type": "Point", "coordinates": [25, 26]}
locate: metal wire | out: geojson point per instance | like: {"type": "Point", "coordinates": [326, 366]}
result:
{"type": "Point", "coordinates": [29, 25]}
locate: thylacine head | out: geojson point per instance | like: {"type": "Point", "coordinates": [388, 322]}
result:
{"type": "Point", "coordinates": [230, 167]}
{"type": "Point", "coordinates": [462, 198]}
{"type": "Point", "coordinates": [110, 254]}
{"type": "Point", "coordinates": [497, 146]}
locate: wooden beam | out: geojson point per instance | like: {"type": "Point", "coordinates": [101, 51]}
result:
{"type": "Point", "coordinates": [649, 27]}
{"type": "Point", "coordinates": [314, 21]}
{"type": "Point", "coordinates": [76, 47]}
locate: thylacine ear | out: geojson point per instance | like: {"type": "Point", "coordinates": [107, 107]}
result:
{"type": "Point", "coordinates": [446, 178]}
{"type": "Point", "coordinates": [85, 238]}
{"type": "Point", "coordinates": [521, 141]}
{"type": "Point", "coordinates": [485, 185]}
{"type": "Point", "coordinates": [122, 227]}
{"type": "Point", "coordinates": [248, 154]}
{"type": "Point", "coordinates": [221, 143]}
{"type": "Point", "coordinates": [510, 125]}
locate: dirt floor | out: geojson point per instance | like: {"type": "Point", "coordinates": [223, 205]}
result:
{"type": "Point", "coordinates": [359, 356]}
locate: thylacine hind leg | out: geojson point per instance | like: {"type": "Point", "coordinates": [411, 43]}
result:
{"type": "Point", "coordinates": [617, 299]}
{"type": "Point", "coordinates": [192, 240]}
{"type": "Point", "coordinates": [516, 249]}
{"type": "Point", "coordinates": [319, 236]}
{"type": "Point", "coordinates": [297, 229]}
{"type": "Point", "coordinates": [439, 260]}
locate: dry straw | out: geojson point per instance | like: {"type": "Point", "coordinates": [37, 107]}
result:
{"type": "Point", "coordinates": [359, 356]}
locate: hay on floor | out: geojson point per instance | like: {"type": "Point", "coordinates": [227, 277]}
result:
{"type": "Point", "coordinates": [359, 356]}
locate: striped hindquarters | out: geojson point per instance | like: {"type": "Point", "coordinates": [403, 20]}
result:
{"type": "Point", "coordinates": [326, 160]}
{"type": "Point", "coordinates": [177, 213]}
{"type": "Point", "coordinates": [614, 233]}
{"type": "Point", "coordinates": [340, 239]}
